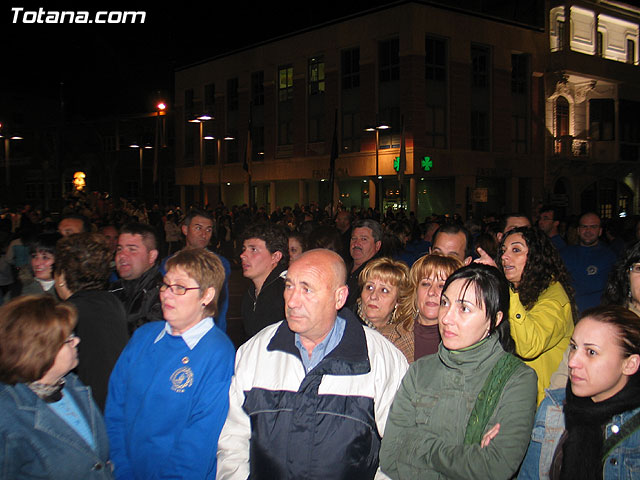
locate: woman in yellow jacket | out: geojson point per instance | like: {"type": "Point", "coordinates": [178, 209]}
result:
{"type": "Point", "coordinates": [541, 312]}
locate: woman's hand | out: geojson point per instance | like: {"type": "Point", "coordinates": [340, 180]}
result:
{"type": "Point", "coordinates": [490, 435]}
{"type": "Point", "coordinates": [484, 258]}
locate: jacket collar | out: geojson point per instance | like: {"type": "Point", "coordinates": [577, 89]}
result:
{"type": "Point", "coordinates": [350, 357]}
{"type": "Point", "coordinates": [272, 277]}
{"type": "Point", "coordinates": [48, 422]}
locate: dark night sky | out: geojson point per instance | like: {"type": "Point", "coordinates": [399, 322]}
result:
{"type": "Point", "coordinates": [118, 68]}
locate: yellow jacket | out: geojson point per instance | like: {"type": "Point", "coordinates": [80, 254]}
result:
{"type": "Point", "coordinates": [542, 333]}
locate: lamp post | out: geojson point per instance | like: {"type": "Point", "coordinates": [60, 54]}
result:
{"type": "Point", "coordinates": [7, 162]}
{"type": "Point", "coordinates": [141, 148]}
{"type": "Point", "coordinates": [219, 140]}
{"type": "Point", "coordinates": [160, 111]}
{"type": "Point", "coordinates": [379, 126]}
{"type": "Point", "coordinates": [200, 119]}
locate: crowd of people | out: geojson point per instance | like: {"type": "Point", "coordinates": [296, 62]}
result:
{"type": "Point", "coordinates": [375, 346]}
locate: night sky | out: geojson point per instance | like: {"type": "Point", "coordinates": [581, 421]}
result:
{"type": "Point", "coordinates": [109, 69]}
{"type": "Point", "coordinates": [106, 69]}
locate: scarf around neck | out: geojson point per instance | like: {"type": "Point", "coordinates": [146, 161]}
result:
{"type": "Point", "coordinates": [585, 420]}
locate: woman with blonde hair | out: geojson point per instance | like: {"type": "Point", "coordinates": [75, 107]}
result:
{"type": "Point", "coordinates": [427, 278]}
{"type": "Point", "coordinates": [383, 302]}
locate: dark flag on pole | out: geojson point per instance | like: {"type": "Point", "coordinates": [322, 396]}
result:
{"type": "Point", "coordinates": [332, 161]}
{"type": "Point", "coordinates": [246, 165]}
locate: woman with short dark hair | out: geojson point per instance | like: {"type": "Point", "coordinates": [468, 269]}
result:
{"type": "Point", "coordinates": [467, 411]}
{"type": "Point", "coordinates": [81, 273]}
{"type": "Point", "coordinates": [50, 427]}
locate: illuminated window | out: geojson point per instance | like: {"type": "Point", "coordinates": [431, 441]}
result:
{"type": "Point", "coordinates": [285, 83]}
{"type": "Point", "coordinates": [316, 75]}
{"type": "Point", "coordinates": [562, 117]}
{"type": "Point", "coordinates": [285, 105]}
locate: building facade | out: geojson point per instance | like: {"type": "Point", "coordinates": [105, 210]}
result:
{"type": "Point", "coordinates": [471, 99]}
{"type": "Point", "coordinates": [592, 90]}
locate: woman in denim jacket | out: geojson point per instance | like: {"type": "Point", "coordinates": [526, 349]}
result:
{"type": "Point", "coordinates": [591, 430]}
{"type": "Point", "coordinates": [50, 426]}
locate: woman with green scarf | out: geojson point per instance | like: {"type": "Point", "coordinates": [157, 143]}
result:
{"type": "Point", "coordinates": [466, 412]}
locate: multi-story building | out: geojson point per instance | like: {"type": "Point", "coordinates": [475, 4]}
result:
{"type": "Point", "coordinates": [592, 96]}
{"type": "Point", "coordinates": [472, 93]}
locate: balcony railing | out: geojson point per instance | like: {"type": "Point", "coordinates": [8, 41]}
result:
{"type": "Point", "coordinates": [567, 146]}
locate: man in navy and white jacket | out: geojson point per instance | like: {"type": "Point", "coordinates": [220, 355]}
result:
{"type": "Point", "coordinates": [310, 395]}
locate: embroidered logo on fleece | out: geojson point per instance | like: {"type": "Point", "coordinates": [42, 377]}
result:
{"type": "Point", "coordinates": [180, 379]}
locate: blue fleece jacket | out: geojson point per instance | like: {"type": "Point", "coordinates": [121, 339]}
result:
{"type": "Point", "coordinates": [167, 404]}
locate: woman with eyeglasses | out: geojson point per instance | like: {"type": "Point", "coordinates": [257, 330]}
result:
{"type": "Point", "coordinates": [623, 287]}
{"type": "Point", "coordinates": [50, 426]}
{"type": "Point", "coordinates": [168, 393]}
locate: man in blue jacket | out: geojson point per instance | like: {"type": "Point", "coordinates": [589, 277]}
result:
{"type": "Point", "coordinates": [589, 263]}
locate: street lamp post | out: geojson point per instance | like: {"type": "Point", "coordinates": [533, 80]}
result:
{"type": "Point", "coordinates": [201, 119]}
{"type": "Point", "coordinates": [379, 126]}
{"type": "Point", "coordinates": [7, 161]}
{"type": "Point", "coordinates": [219, 140]}
{"type": "Point", "coordinates": [141, 148]}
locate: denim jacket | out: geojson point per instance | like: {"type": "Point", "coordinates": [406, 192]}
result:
{"type": "Point", "coordinates": [36, 443]}
{"type": "Point", "coordinates": [623, 462]}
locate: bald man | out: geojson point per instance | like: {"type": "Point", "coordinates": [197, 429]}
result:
{"type": "Point", "coordinates": [311, 394]}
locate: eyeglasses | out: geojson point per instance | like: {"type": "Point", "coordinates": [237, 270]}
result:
{"type": "Point", "coordinates": [590, 227]}
{"type": "Point", "coordinates": [71, 338]}
{"type": "Point", "coordinates": [635, 268]}
{"type": "Point", "coordinates": [176, 289]}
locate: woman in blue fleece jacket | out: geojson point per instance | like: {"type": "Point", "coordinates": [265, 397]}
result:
{"type": "Point", "coordinates": [168, 393]}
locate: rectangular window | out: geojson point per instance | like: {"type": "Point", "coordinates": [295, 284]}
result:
{"type": "Point", "coordinates": [436, 126]}
{"type": "Point", "coordinates": [285, 105]}
{"type": "Point", "coordinates": [316, 75]}
{"type": "Point", "coordinates": [285, 83]}
{"type": "Point", "coordinates": [519, 134]}
{"type": "Point", "coordinates": [436, 59]}
{"type": "Point", "coordinates": [316, 99]}
{"type": "Point", "coordinates": [479, 131]}
{"type": "Point", "coordinates": [631, 52]}
{"type": "Point", "coordinates": [519, 73]}
{"type": "Point", "coordinates": [389, 60]}
{"type": "Point", "coordinates": [480, 66]}
{"type": "Point", "coordinates": [257, 88]}
{"type": "Point", "coordinates": [601, 118]}
{"type": "Point", "coordinates": [232, 94]}
{"type": "Point", "coordinates": [350, 68]}
{"type": "Point", "coordinates": [561, 34]}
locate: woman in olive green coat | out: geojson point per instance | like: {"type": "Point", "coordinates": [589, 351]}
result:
{"type": "Point", "coordinates": [447, 420]}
